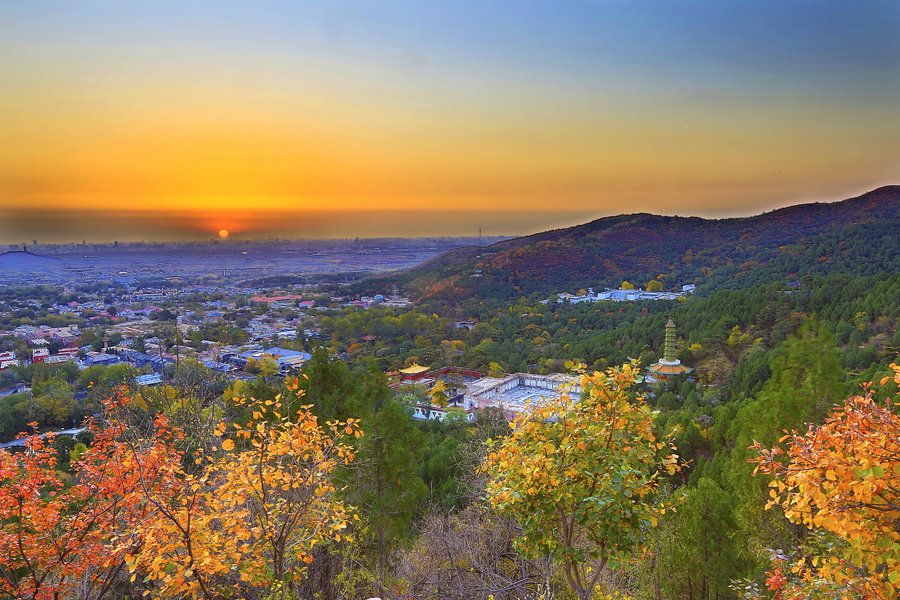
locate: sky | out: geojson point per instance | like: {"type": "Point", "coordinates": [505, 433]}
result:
{"type": "Point", "coordinates": [134, 120]}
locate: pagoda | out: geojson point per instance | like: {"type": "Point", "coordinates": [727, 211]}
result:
{"type": "Point", "coordinates": [668, 366]}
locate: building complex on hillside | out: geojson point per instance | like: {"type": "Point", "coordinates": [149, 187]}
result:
{"type": "Point", "coordinates": [622, 295]}
{"type": "Point", "coordinates": [514, 393]}
{"type": "Point", "coordinates": [470, 391]}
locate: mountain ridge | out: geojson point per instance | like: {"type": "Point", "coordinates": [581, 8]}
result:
{"type": "Point", "coordinates": [854, 235]}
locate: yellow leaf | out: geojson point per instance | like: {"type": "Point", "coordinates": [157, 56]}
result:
{"type": "Point", "coordinates": [228, 445]}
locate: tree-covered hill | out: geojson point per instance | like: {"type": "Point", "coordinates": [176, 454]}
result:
{"type": "Point", "coordinates": [856, 236]}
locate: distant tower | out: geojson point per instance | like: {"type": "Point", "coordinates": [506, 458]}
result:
{"type": "Point", "coordinates": [669, 350]}
{"type": "Point", "coordinates": [668, 365]}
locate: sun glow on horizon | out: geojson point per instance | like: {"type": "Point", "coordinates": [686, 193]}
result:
{"type": "Point", "coordinates": [133, 120]}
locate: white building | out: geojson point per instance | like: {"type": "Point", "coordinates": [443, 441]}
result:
{"type": "Point", "coordinates": [514, 393]}
{"type": "Point", "coordinates": [622, 295]}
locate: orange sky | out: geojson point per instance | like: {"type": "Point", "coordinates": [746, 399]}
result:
{"type": "Point", "coordinates": [146, 110]}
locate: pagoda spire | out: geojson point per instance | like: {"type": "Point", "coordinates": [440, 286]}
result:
{"type": "Point", "coordinates": [669, 350]}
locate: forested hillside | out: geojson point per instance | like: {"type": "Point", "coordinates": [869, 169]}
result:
{"type": "Point", "coordinates": [854, 236]}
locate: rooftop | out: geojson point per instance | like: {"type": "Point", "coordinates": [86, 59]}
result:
{"type": "Point", "coordinates": [151, 379]}
{"type": "Point", "coordinates": [414, 369]}
{"type": "Point", "coordinates": [668, 369]}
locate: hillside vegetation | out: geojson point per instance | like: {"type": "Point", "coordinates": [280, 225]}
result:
{"type": "Point", "coordinates": [856, 236]}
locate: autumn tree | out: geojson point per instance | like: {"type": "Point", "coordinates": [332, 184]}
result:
{"type": "Point", "coordinates": [495, 369]}
{"type": "Point", "coordinates": [58, 537]}
{"type": "Point", "coordinates": [580, 476]}
{"type": "Point", "coordinates": [438, 394]}
{"type": "Point", "coordinates": [841, 481]}
{"type": "Point", "coordinates": [250, 518]}
{"type": "Point", "coordinates": [33, 518]}
{"type": "Point", "coordinates": [654, 285]}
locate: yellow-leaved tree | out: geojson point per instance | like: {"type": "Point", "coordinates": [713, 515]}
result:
{"type": "Point", "coordinates": [840, 480]}
{"type": "Point", "coordinates": [438, 394]}
{"type": "Point", "coordinates": [248, 519]}
{"type": "Point", "coordinates": [580, 474]}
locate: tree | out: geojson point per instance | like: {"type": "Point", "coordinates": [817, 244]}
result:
{"type": "Point", "coordinates": [330, 387]}
{"type": "Point", "coordinates": [194, 379]}
{"type": "Point", "coordinates": [495, 369]}
{"type": "Point", "coordinates": [805, 383]}
{"type": "Point", "coordinates": [264, 367]}
{"type": "Point", "coordinates": [580, 476]}
{"type": "Point", "coordinates": [438, 394]}
{"type": "Point", "coordinates": [164, 315]}
{"type": "Point", "coordinates": [234, 522]}
{"type": "Point", "coordinates": [54, 402]}
{"type": "Point", "coordinates": [694, 551]}
{"type": "Point", "coordinates": [249, 519]}
{"type": "Point", "coordinates": [840, 480]}
{"type": "Point", "coordinates": [654, 285]}
{"type": "Point", "coordinates": [384, 481]}
{"type": "Point", "coordinates": [626, 285]}
{"type": "Point", "coordinates": [58, 538]}
{"type": "Point", "coordinates": [483, 542]}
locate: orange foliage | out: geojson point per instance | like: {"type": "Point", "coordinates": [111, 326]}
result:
{"type": "Point", "coordinates": [55, 537]}
{"type": "Point", "coordinates": [841, 479]}
{"type": "Point", "coordinates": [240, 520]}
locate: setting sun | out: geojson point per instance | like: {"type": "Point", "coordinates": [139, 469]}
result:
{"type": "Point", "coordinates": [223, 233]}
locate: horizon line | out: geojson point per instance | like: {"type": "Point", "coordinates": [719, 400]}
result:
{"type": "Point", "coordinates": [242, 228]}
